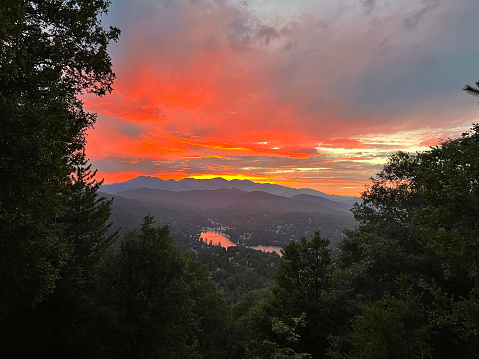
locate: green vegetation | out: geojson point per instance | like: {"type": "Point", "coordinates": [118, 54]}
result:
{"type": "Point", "coordinates": [413, 259]}
{"type": "Point", "coordinates": [237, 270]}
{"type": "Point", "coordinates": [156, 301]}
{"type": "Point", "coordinates": [402, 284]}
{"type": "Point", "coordinates": [50, 52]}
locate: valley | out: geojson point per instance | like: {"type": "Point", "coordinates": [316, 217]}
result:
{"type": "Point", "coordinates": [249, 218]}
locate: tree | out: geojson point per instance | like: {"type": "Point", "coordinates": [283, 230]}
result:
{"type": "Point", "coordinates": [474, 91]}
{"type": "Point", "coordinates": [146, 293]}
{"type": "Point", "coordinates": [209, 310]}
{"type": "Point", "coordinates": [86, 217]}
{"type": "Point", "coordinates": [265, 348]}
{"type": "Point", "coordinates": [306, 266]}
{"type": "Point", "coordinates": [62, 324]}
{"type": "Point", "coordinates": [391, 327]}
{"type": "Point", "coordinates": [418, 220]}
{"type": "Point", "coordinates": [51, 51]}
{"type": "Point", "coordinates": [300, 302]}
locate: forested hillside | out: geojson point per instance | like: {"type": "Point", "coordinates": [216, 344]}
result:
{"type": "Point", "coordinates": [249, 218]}
{"type": "Point", "coordinates": [402, 283]}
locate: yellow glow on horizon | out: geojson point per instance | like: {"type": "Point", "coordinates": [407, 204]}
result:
{"type": "Point", "coordinates": [232, 177]}
{"type": "Point", "coordinates": [324, 184]}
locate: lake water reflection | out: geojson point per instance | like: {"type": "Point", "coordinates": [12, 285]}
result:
{"type": "Point", "coordinates": [267, 249]}
{"type": "Point", "coordinates": [218, 238]}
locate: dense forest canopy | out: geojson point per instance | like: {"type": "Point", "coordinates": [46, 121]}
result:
{"type": "Point", "coordinates": [402, 284]}
{"type": "Point", "coordinates": [50, 52]}
{"type": "Point", "coordinates": [413, 258]}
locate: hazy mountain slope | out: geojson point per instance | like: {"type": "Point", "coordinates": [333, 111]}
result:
{"type": "Point", "coordinates": [250, 217]}
{"type": "Point", "coordinates": [147, 182]}
{"type": "Point", "coordinates": [189, 184]}
{"type": "Point", "coordinates": [341, 206]}
{"type": "Point", "coordinates": [230, 199]}
{"type": "Point", "coordinates": [195, 198]}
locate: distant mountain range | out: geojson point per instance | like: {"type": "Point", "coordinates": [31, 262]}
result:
{"type": "Point", "coordinates": [250, 213]}
{"type": "Point", "coordinates": [234, 199]}
{"type": "Point", "coordinates": [189, 184]}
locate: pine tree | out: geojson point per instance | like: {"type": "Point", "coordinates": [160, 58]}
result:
{"type": "Point", "coordinates": [146, 289]}
{"type": "Point", "coordinates": [62, 324]}
{"type": "Point", "coordinates": [86, 219]}
{"type": "Point", "coordinates": [50, 53]}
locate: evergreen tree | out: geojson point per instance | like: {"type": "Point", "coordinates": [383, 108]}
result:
{"type": "Point", "coordinates": [62, 324]}
{"type": "Point", "coordinates": [299, 305]}
{"type": "Point", "coordinates": [86, 217]}
{"type": "Point", "coordinates": [50, 52]}
{"type": "Point", "coordinates": [146, 291]}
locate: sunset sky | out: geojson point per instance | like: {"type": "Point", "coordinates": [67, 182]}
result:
{"type": "Point", "coordinates": [303, 93]}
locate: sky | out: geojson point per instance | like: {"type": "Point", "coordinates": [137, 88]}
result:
{"type": "Point", "coordinates": [304, 93]}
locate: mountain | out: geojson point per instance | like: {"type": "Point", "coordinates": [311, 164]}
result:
{"type": "Point", "coordinates": [195, 198]}
{"type": "Point", "coordinates": [341, 206]}
{"type": "Point", "coordinates": [189, 184]}
{"type": "Point", "coordinates": [249, 218]}
{"type": "Point", "coordinates": [233, 199]}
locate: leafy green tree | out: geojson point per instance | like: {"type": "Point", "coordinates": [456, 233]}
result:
{"type": "Point", "coordinates": [50, 52]}
{"type": "Point", "coordinates": [306, 266]}
{"type": "Point", "coordinates": [240, 315]}
{"type": "Point", "coordinates": [391, 327]}
{"type": "Point", "coordinates": [288, 335]}
{"type": "Point", "coordinates": [147, 294]}
{"type": "Point", "coordinates": [302, 291]}
{"type": "Point", "coordinates": [418, 220]}
{"type": "Point", "coordinates": [61, 325]}
{"type": "Point", "coordinates": [210, 311]}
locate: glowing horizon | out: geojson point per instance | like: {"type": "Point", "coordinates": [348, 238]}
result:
{"type": "Point", "coordinates": [348, 190]}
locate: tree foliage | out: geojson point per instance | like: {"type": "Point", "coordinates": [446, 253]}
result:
{"type": "Point", "coordinates": [85, 222]}
{"type": "Point", "coordinates": [145, 285]}
{"type": "Point", "coordinates": [306, 266]}
{"type": "Point", "coordinates": [61, 324]}
{"type": "Point", "coordinates": [50, 52]}
{"type": "Point", "coordinates": [159, 303]}
{"type": "Point", "coordinates": [299, 306]}
{"type": "Point", "coordinates": [418, 227]}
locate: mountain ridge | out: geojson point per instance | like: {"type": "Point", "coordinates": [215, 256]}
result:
{"type": "Point", "coordinates": [189, 184]}
{"type": "Point", "coordinates": [228, 198]}
{"type": "Point", "coordinates": [249, 218]}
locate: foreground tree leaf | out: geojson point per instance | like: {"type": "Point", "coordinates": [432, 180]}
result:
{"type": "Point", "coordinates": [50, 52]}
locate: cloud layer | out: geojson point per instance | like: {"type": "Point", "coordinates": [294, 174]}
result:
{"type": "Point", "coordinates": [305, 93]}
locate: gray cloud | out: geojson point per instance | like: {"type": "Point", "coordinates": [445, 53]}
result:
{"type": "Point", "coordinates": [368, 6]}
{"type": "Point", "coordinates": [245, 31]}
{"type": "Point", "coordinates": [130, 129]}
{"type": "Point", "coordinates": [413, 19]}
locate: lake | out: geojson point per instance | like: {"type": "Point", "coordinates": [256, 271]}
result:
{"type": "Point", "coordinates": [267, 249]}
{"type": "Point", "coordinates": [218, 238]}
